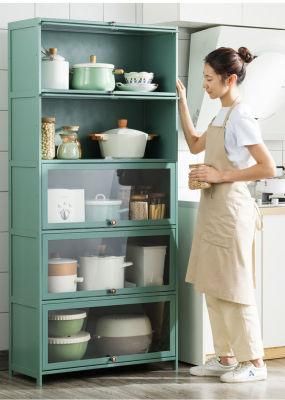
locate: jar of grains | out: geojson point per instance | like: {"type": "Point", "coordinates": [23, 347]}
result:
{"type": "Point", "coordinates": [139, 206]}
{"type": "Point", "coordinates": [48, 135]}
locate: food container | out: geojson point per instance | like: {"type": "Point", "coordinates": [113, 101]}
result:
{"type": "Point", "coordinates": [62, 275]}
{"type": "Point", "coordinates": [65, 323]}
{"type": "Point", "coordinates": [193, 184]}
{"type": "Point", "coordinates": [48, 138]}
{"type": "Point", "coordinates": [138, 77]}
{"type": "Point", "coordinates": [69, 148]}
{"type": "Point", "coordinates": [157, 206]}
{"type": "Point", "coordinates": [103, 272]}
{"type": "Point", "coordinates": [66, 205]}
{"type": "Point", "coordinates": [94, 76]}
{"type": "Point", "coordinates": [122, 334]}
{"type": "Point", "coordinates": [148, 265]}
{"type": "Point", "coordinates": [122, 142]}
{"type": "Point", "coordinates": [103, 209]}
{"type": "Point", "coordinates": [55, 70]}
{"type": "Point", "coordinates": [69, 348]}
{"type": "Point", "coordinates": [139, 206]}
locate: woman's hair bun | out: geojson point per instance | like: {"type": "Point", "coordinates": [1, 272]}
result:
{"type": "Point", "coordinates": [245, 54]}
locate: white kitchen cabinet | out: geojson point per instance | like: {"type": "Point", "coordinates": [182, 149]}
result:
{"type": "Point", "coordinates": [122, 12]}
{"type": "Point", "coordinates": [195, 337]}
{"type": "Point", "coordinates": [273, 277]}
{"type": "Point", "coordinates": [13, 12]}
{"type": "Point", "coordinates": [230, 14]}
{"type": "Point", "coordinates": [48, 10]}
{"type": "Point", "coordinates": [267, 15]}
{"type": "Point", "coordinates": [87, 11]}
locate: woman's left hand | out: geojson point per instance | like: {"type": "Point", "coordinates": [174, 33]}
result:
{"type": "Point", "coordinates": [205, 173]}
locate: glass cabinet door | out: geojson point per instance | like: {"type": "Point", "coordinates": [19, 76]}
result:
{"type": "Point", "coordinates": [101, 196]}
{"type": "Point", "coordinates": [108, 263]}
{"type": "Point", "coordinates": [109, 333]}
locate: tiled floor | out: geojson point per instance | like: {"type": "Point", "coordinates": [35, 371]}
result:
{"type": "Point", "coordinates": [157, 381]}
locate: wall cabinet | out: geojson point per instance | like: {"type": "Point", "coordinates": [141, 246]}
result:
{"type": "Point", "coordinates": [195, 338]}
{"type": "Point", "coordinates": [71, 258]}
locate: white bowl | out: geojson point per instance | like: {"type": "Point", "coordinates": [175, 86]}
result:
{"type": "Point", "coordinates": [139, 77]}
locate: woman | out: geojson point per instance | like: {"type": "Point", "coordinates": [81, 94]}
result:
{"type": "Point", "coordinates": [221, 262]}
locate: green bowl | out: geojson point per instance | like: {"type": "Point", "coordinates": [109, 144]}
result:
{"type": "Point", "coordinates": [68, 349]}
{"type": "Point", "coordinates": [65, 323]}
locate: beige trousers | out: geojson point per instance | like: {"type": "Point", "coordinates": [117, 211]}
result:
{"type": "Point", "coordinates": [235, 329]}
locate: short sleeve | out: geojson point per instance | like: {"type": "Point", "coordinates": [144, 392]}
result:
{"type": "Point", "coordinates": [245, 128]}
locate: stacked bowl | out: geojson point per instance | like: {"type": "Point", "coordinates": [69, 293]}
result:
{"type": "Point", "coordinates": [138, 82]}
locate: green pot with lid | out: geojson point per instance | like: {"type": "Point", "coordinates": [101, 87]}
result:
{"type": "Point", "coordinates": [94, 76]}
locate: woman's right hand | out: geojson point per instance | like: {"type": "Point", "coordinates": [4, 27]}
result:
{"type": "Point", "coordinates": [181, 90]}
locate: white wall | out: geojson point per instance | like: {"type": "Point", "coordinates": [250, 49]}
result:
{"type": "Point", "coordinates": [125, 13]}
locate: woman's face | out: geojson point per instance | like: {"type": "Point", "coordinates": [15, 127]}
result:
{"type": "Point", "coordinates": [213, 83]}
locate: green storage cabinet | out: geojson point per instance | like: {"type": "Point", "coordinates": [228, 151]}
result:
{"type": "Point", "coordinates": [36, 237]}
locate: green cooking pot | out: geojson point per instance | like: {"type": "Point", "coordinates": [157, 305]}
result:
{"type": "Point", "coordinates": [94, 76]}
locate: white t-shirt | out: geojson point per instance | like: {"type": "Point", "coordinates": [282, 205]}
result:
{"type": "Point", "coordinates": [241, 130]}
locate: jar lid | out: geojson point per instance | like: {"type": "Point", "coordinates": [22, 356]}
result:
{"type": "Point", "coordinates": [59, 260]}
{"type": "Point", "coordinates": [66, 315]}
{"type": "Point", "coordinates": [156, 195]}
{"type": "Point", "coordinates": [73, 128]}
{"type": "Point", "coordinates": [48, 119]}
{"type": "Point", "coordinates": [79, 338]}
{"type": "Point", "coordinates": [139, 197]}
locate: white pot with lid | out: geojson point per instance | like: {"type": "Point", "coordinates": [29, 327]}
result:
{"type": "Point", "coordinates": [103, 272]}
{"type": "Point", "coordinates": [122, 142]}
{"type": "Point", "coordinates": [62, 275]}
{"type": "Point", "coordinates": [103, 209]}
{"type": "Point", "coordinates": [55, 70]}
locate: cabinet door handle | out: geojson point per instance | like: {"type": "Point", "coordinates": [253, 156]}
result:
{"type": "Point", "coordinates": [112, 291]}
{"type": "Point", "coordinates": [112, 222]}
{"type": "Point", "coordinates": [113, 359]}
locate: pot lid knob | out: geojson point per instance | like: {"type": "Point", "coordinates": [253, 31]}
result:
{"type": "Point", "coordinates": [53, 51]}
{"type": "Point", "coordinates": [93, 58]}
{"type": "Point", "coordinates": [122, 123]}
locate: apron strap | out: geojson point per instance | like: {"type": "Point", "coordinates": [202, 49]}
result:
{"type": "Point", "coordinates": [230, 110]}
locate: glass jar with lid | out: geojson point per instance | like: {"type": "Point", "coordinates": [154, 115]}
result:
{"type": "Point", "coordinates": [139, 206]}
{"type": "Point", "coordinates": [157, 205]}
{"type": "Point", "coordinates": [69, 148]}
{"type": "Point", "coordinates": [48, 138]}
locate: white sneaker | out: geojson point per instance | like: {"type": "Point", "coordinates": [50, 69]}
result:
{"type": "Point", "coordinates": [212, 367]}
{"type": "Point", "coordinates": [245, 372]}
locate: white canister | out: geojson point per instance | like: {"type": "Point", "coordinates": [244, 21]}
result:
{"type": "Point", "coordinates": [55, 71]}
{"type": "Point", "coordinates": [62, 275]}
{"type": "Point", "coordinates": [101, 273]}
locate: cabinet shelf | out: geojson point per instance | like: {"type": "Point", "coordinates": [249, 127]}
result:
{"type": "Point", "coordinates": [106, 161]}
{"type": "Point", "coordinates": [92, 94]}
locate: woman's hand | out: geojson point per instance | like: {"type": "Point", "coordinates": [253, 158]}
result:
{"type": "Point", "coordinates": [181, 90]}
{"type": "Point", "coordinates": [205, 173]}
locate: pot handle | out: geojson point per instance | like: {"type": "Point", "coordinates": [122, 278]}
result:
{"type": "Point", "coordinates": [127, 264]}
{"type": "Point", "coordinates": [79, 279]}
{"type": "Point", "coordinates": [118, 71]}
{"type": "Point", "coordinates": [100, 196]}
{"type": "Point", "coordinates": [119, 84]}
{"type": "Point", "coordinates": [151, 136]}
{"type": "Point", "coordinates": [100, 137]}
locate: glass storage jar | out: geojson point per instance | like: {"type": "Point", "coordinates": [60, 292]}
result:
{"type": "Point", "coordinates": [157, 206]}
{"type": "Point", "coordinates": [48, 135]}
{"type": "Point", "coordinates": [139, 206]}
{"type": "Point", "coordinates": [69, 148]}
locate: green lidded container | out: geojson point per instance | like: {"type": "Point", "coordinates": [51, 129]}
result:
{"type": "Point", "coordinates": [65, 323]}
{"type": "Point", "coordinates": [70, 348]}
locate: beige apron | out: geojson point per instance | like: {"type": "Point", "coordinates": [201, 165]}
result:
{"type": "Point", "coordinates": [221, 262]}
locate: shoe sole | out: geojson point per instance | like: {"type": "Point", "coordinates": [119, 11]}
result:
{"type": "Point", "coordinates": [213, 374]}
{"type": "Point", "coordinates": [254, 379]}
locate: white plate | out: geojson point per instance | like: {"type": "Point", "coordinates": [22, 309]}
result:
{"type": "Point", "coordinates": [137, 87]}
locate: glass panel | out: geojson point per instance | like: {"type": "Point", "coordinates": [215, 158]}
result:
{"type": "Point", "coordinates": [108, 263]}
{"type": "Point", "coordinates": [108, 331]}
{"type": "Point", "coordinates": [107, 196]}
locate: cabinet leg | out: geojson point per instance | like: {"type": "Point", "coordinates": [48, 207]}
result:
{"type": "Point", "coordinates": [40, 381]}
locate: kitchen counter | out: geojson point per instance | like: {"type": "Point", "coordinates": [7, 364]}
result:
{"type": "Point", "coordinates": [268, 209]}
